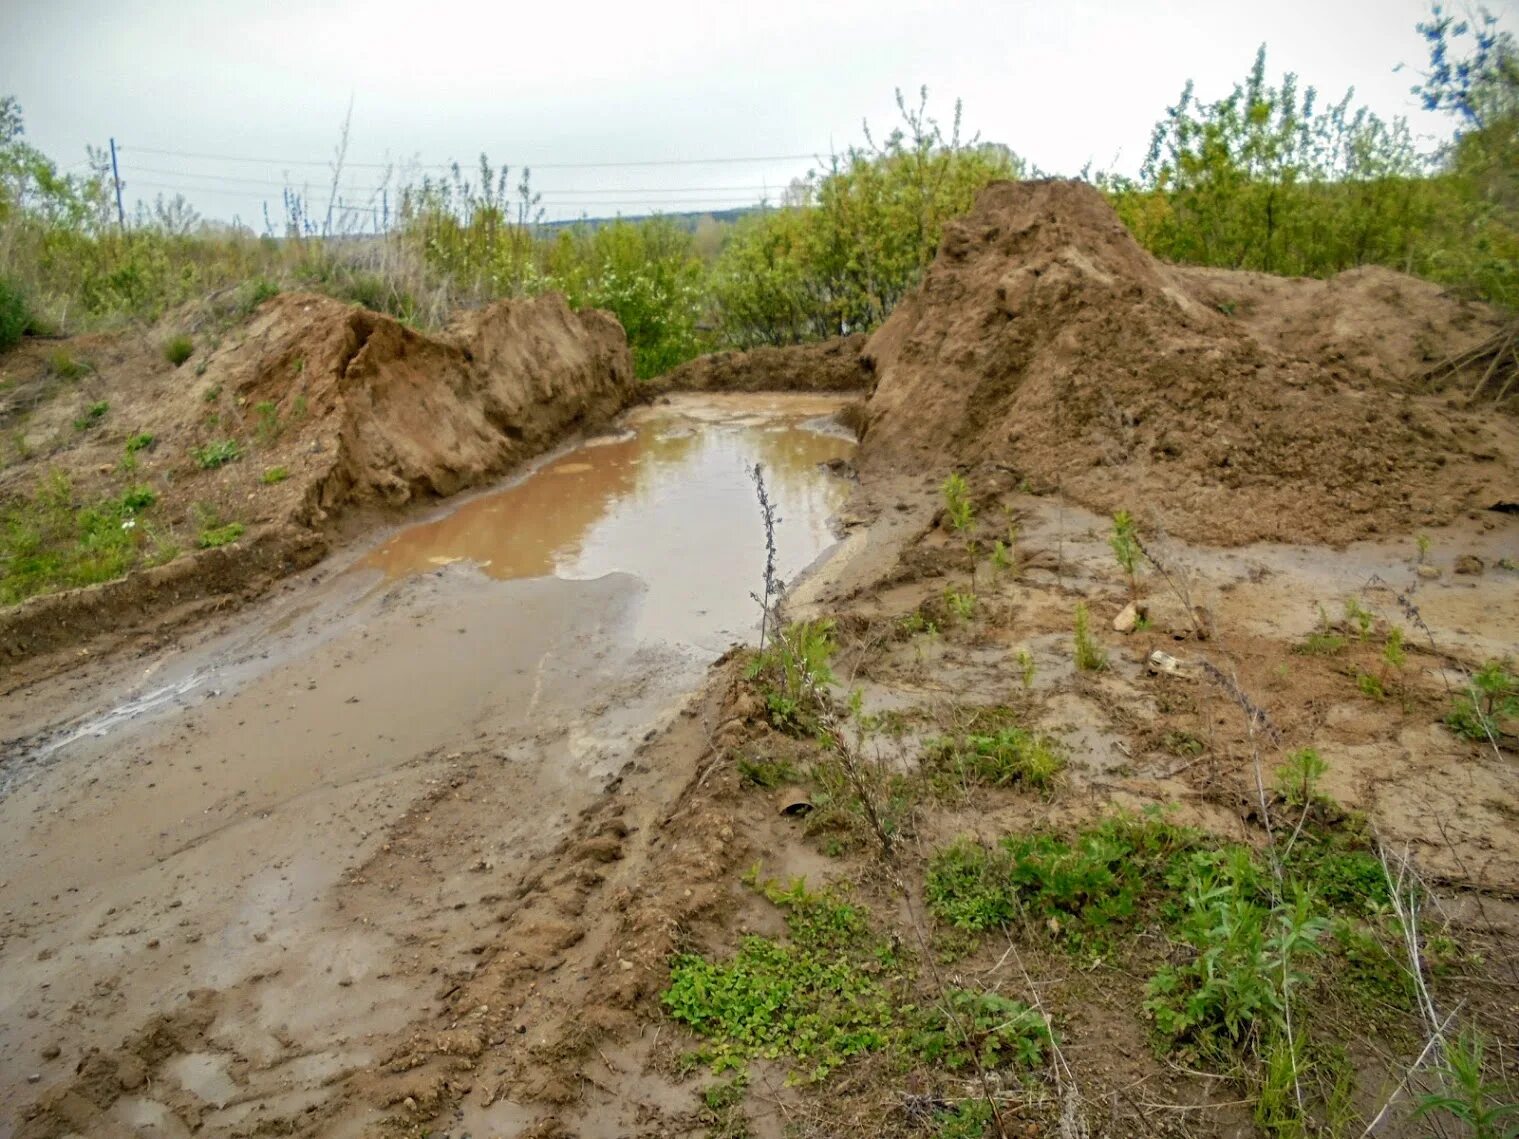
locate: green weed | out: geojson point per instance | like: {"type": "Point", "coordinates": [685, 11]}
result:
{"type": "Point", "coordinates": [981, 1030]}
{"type": "Point", "coordinates": [139, 442]}
{"type": "Point", "coordinates": [794, 673]}
{"type": "Point", "coordinates": [1025, 661]}
{"type": "Point", "coordinates": [1297, 780]}
{"type": "Point", "coordinates": [274, 475]}
{"type": "Point", "coordinates": [1090, 656]}
{"type": "Point", "coordinates": [269, 426]}
{"type": "Point", "coordinates": [92, 416]}
{"type": "Point", "coordinates": [1124, 542]}
{"type": "Point", "coordinates": [218, 454]}
{"type": "Point", "coordinates": [1487, 1110]}
{"type": "Point", "coordinates": [1491, 696]}
{"type": "Point", "coordinates": [216, 536]}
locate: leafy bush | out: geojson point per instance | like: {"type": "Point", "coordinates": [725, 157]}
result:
{"type": "Point", "coordinates": [218, 454]}
{"type": "Point", "coordinates": [178, 349]}
{"type": "Point", "coordinates": [138, 499]}
{"type": "Point", "coordinates": [139, 442]}
{"type": "Point", "coordinates": [1234, 990]}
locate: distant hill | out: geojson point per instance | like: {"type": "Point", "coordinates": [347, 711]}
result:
{"type": "Point", "coordinates": [687, 220]}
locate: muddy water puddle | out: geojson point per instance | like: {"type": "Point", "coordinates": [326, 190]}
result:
{"type": "Point", "coordinates": [669, 501]}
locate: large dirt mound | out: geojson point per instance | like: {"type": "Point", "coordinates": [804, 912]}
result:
{"type": "Point", "coordinates": [331, 408]}
{"type": "Point", "coordinates": [1045, 339]}
{"type": "Point", "coordinates": [832, 366]}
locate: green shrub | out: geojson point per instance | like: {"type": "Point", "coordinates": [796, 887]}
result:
{"type": "Point", "coordinates": [178, 349]}
{"type": "Point", "coordinates": [138, 499]}
{"type": "Point", "coordinates": [218, 454]}
{"type": "Point", "coordinates": [274, 475]}
{"type": "Point", "coordinates": [139, 442]}
{"type": "Point", "coordinates": [13, 314]}
{"type": "Point", "coordinates": [1090, 656]}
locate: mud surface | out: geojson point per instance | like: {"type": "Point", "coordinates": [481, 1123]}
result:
{"type": "Point", "coordinates": [183, 834]}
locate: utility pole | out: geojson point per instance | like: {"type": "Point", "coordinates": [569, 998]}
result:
{"type": "Point", "coordinates": [121, 216]}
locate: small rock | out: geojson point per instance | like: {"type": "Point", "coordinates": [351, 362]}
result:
{"type": "Point", "coordinates": [1128, 617]}
{"type": "Point", "coordinates": [1469, 563]}
{"type": "Point", "coordinates": [1428, 573]}
{"type": "Point", "coordinates": [51, 1052]}
{"type": "Point", "coordinates": [34, 1077]}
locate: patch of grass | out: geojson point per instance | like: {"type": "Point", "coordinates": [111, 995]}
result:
{"type": "Point", "coordinates": [213, 393]}
{"type": "Point", "coordinates": [1487, 1110]}
{"type": "Point", "coordinates": [139, 442]}
{"type": "Point", "coordinates": [217, 454]}
{"type": "Point", "coordinates": [1320, 643]}
{"type": "Point", "coordinates": [1090, 656]}
{"type": "Point", "coordinates": [65, 366]}
{"type": "Point", "coordinates": [92, 416]}
{"type": "Point", "coordinates": [48, 541]}
{"type": "Point", "coordinates": [273, 476]}
{"type": "Point", "coordinates": [269, 426]}
{"type": "Point", "coordinates": [178, 349]}
{"type": "Point", "coordinates": [766, 774]}
{"type": "Point", "coordinates": [962, 605]}
{"type": "Point", "coordinates": [214, 536]}
{"type": "Point", "coordinates": [841, 817]}
{"type": "Point", "coordinates": [1079, 888]}
{"type": "Point", "coordinates": [1011, 756]}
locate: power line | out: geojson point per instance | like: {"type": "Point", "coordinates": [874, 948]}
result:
{"type": "Point", "coordinates": [451, 165]}
{"type": "Point", "coordinates": [710, 201]}
{"type": "Point", "coordinates": [376, 189]}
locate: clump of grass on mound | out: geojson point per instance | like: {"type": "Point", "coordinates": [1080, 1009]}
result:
{"type": "Point", "coordinates": [50, 542]}
{"type": "Point", "coordinates": [1004, 758]}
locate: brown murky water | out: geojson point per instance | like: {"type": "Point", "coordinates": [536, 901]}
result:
{"type": "Point", "coordinates": [669, 501]}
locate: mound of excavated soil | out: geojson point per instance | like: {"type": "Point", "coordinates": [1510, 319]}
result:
{"type": "Point", "coordinates": [832, 366]}
{"type": "Point", "coordinates": [1223, 407]}
{"type": "Point", "coordinates": [358, 410]}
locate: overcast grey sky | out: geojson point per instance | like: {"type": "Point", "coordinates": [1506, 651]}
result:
{"type": "Point", "coordinates": [1062, 82]}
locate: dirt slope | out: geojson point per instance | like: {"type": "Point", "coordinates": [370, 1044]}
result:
{"type": "Point", "coordinates": [831, 366]}
{"type": "Point", "coordinates": [356, 408]}
{"type": "Point", "coordinates": [1046, 339]}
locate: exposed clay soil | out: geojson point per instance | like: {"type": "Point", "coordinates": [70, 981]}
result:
{"type": "Point", "coordinates": [481, 946]}
{"type": "Point", "coordinates": [361, 411]}
{"type": "Point", "coordinates": [1046, 340]}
